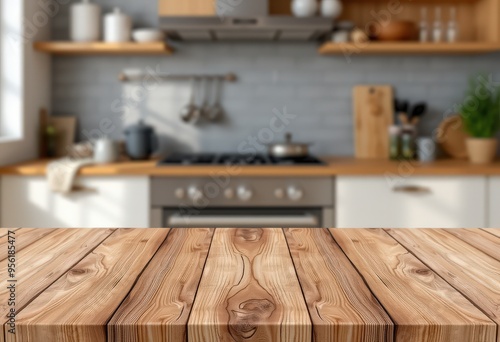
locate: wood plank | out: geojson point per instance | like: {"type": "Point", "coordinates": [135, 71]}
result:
{"type": "Point", "coordinates": [334, 166]}
{"type": "Point", "coordinates": [44, 261]}
{"type": "Point", "coordinates": [382, 48]}
{"type": "Point", "coordinates": [158, 307]}
{"type": "Point", "coordinates": [422, 305]}
{"type": "Point", "coordinates": [341, 306]}
{"type": "Point", "coordinates": [484, 241]}
{"type": "Point", "coordinates": [41, 263]}
{"type": "Point", "coordinates": [5, 231]}
{"type": "Point", "coordinates": [249, 291]}
{"type": "Point", "coordinates": [23, 238]}
{"type": "Point", "coordinates": [103, 48]}
{"type": "Point", "coordinates": [494, 231]}
{"type": "Point", "coordinates": [79, 304]}
{"type": "Point", "coordinates": [203, 8]}
{"type": "Point", "coordinates": [470, 271]}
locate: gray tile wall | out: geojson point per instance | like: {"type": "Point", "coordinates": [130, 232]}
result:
{"type": "Point", "coordinates": [314, 89]}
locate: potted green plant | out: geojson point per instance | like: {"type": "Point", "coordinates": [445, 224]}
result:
{"type": "Point", "coordinates": [480, 114]}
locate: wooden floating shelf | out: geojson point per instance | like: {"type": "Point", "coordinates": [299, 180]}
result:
{"type": "Point", "coordinates": [379, 48]}
{"type": "Point", "coordinates": [418, 2]}
{"type": "Point", "coordinates": [102, 48]}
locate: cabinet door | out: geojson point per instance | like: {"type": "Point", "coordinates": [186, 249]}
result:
{"type": "Point", "coordinates": [104, 202]}
{"type": "Point", "coordinates": [186, 7]}
{"type": "Point", "coordinates": [494, 202]}
{"type": "Point", "coordinates": [411, 202]}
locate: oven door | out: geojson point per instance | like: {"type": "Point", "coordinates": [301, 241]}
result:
{"type": "Point", "coordinates": [243, 218]}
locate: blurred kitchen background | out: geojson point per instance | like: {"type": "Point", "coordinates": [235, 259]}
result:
{"type": "Point", "coordinates": [373, 88]}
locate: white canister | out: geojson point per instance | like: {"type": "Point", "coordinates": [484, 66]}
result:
{"type": "Point", "coordinates": [117, 27]}
{"type": "Point", "coordinates": [85, 22]}
{"type": "Point", "coordinates": [304, 8]}
{"type": "Point", "coordinates": [331, 8]}
{"type": "Point", "coordinates": [105, 151]}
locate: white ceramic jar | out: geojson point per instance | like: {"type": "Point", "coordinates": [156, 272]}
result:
{"type": "Point", "coordinates": [304, 8]}
{"type": "Point", "coordinates": [105, 151]}
{"type": "Point", "coordinates": [117, 27]}
{"type": "Point", "coordinates": [331, 8]}
{"type": "Point", "coordinates": [85, 22]}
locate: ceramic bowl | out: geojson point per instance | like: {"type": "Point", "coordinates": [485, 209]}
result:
{"type": "Point", "coordinates": [148, 35]}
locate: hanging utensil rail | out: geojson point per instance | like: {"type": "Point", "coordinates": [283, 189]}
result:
{"type": "Point", "coordinates": [140, 76]}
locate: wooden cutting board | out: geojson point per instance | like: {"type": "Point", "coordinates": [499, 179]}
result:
{"type": "Point", "coordinates": [373, 114]}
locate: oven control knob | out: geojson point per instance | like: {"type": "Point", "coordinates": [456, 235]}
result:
{"type": "Point", "coordinates": [180, 193]}
{"type": "Point", "coordinates": [195, 194]}
{"type": "Point", "coordinates": [229, 193]}
{"type": "Point", "coordinates": [244, 193]}
{"type": "Point", "coordinates": [279, 193]}
{"type": "Point", "coordinates": [295, 193]}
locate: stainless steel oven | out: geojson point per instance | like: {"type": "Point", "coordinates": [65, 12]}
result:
{"type": "Point", "coordinates": [242, 202]}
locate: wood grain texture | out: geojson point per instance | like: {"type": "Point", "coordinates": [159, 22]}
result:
{"type": "Point", "coordinates": [78, 305]}
{"type": "Point", "coordinates": [335, 166]}
{"type": "Point", "coordinates": [5, 231]}
{"type": "Point", "coordinates": [205, 8]}
{"type": "Point", "coordinates": [103, 48]}
{"type": "Point", "coordinates": [249, 291]}
{"type": "Point", "coordinates": [482, 240]}
{"type": "Point", "coordinates": [158, 307]}
{"type": "Point", "coordinates": [493, 231]}
{"type": "Point", "coordinates": [24, 237]}
{"type": "Point", "coordinates": [412, 48]}
{"type": "Point", "coordinates": [341, 306]}
{"type": "Point", "coordinates": [373, 114]}
{"type": "Point", "coordinates": [44, 261]}
{"type": "Point", "coordinates": [411, 292]}
{"type": "Point", "coordinates": [470, 271]}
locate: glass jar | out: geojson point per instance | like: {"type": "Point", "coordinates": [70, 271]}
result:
{"type": "Point", "coordinates": [394, 142]}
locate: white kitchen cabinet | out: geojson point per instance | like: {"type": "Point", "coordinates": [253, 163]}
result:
{"type": "Point", "coordinates": [494, 202]}
{"type": "Point", "coordinates": [106, 202]}
{"type": "Point", "coordinates": [411, 202]}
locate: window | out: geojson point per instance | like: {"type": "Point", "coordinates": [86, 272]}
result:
{"type": "Point", "coordinates": [11, 71]}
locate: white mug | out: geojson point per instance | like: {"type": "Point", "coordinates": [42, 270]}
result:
{"type": "Point", "coordinates": [426, 149]}
{"type": "Point", "coordinates": [105, 151]}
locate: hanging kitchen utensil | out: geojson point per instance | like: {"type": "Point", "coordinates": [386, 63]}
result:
{"type": "Point", "coordinates": [373, 114]}
{"type": "Point", "coordinates": [187, 111]}
{"type": "Point", "coordinates": [197, 112]}
{"type": "Point", "coordinates": [205, 106]}
{"type": "Point", "coordinates": [216, 112]}
{"type": "Point", "coordinates": [288, 149]}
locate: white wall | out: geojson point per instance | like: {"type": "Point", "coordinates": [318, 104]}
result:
{"type": "Point", "coordinates": [34, 86]}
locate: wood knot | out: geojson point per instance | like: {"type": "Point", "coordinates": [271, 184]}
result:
{"type": "Point", "coordinates": [422, 272]}
{"type": "Point", "coordinates": [250, 234]}
{"type": "Point", "coordinates": [243, 323]}
{"type": "Point", "coordinates": [77, 271]}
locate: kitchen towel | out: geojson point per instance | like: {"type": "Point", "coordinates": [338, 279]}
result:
{"type": "Point", "coordinates": [61, 174]}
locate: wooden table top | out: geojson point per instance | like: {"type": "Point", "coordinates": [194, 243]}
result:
{"type": "Point", "coordinates": [251, 285]}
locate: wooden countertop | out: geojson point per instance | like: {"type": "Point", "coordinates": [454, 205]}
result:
{"type": "Point", "coordinates": [335, 166]}
{"type": "Point", "coordinates": [335, 285]}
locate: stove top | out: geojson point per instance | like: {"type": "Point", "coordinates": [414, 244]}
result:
{"type": "Point", "coordinates": [235, 159]}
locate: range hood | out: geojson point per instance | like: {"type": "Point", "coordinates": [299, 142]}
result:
{"type": "Point", "coordinates": [262, 28]}
{"type": "Point", "coordinates": [243, 20]}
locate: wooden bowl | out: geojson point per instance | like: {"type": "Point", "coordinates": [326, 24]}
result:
{"type": "Point", "coordinates": [397, 30]}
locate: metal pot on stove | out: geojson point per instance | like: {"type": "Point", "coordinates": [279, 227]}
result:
{"type": "Point", "coordinates": [288, 149]}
